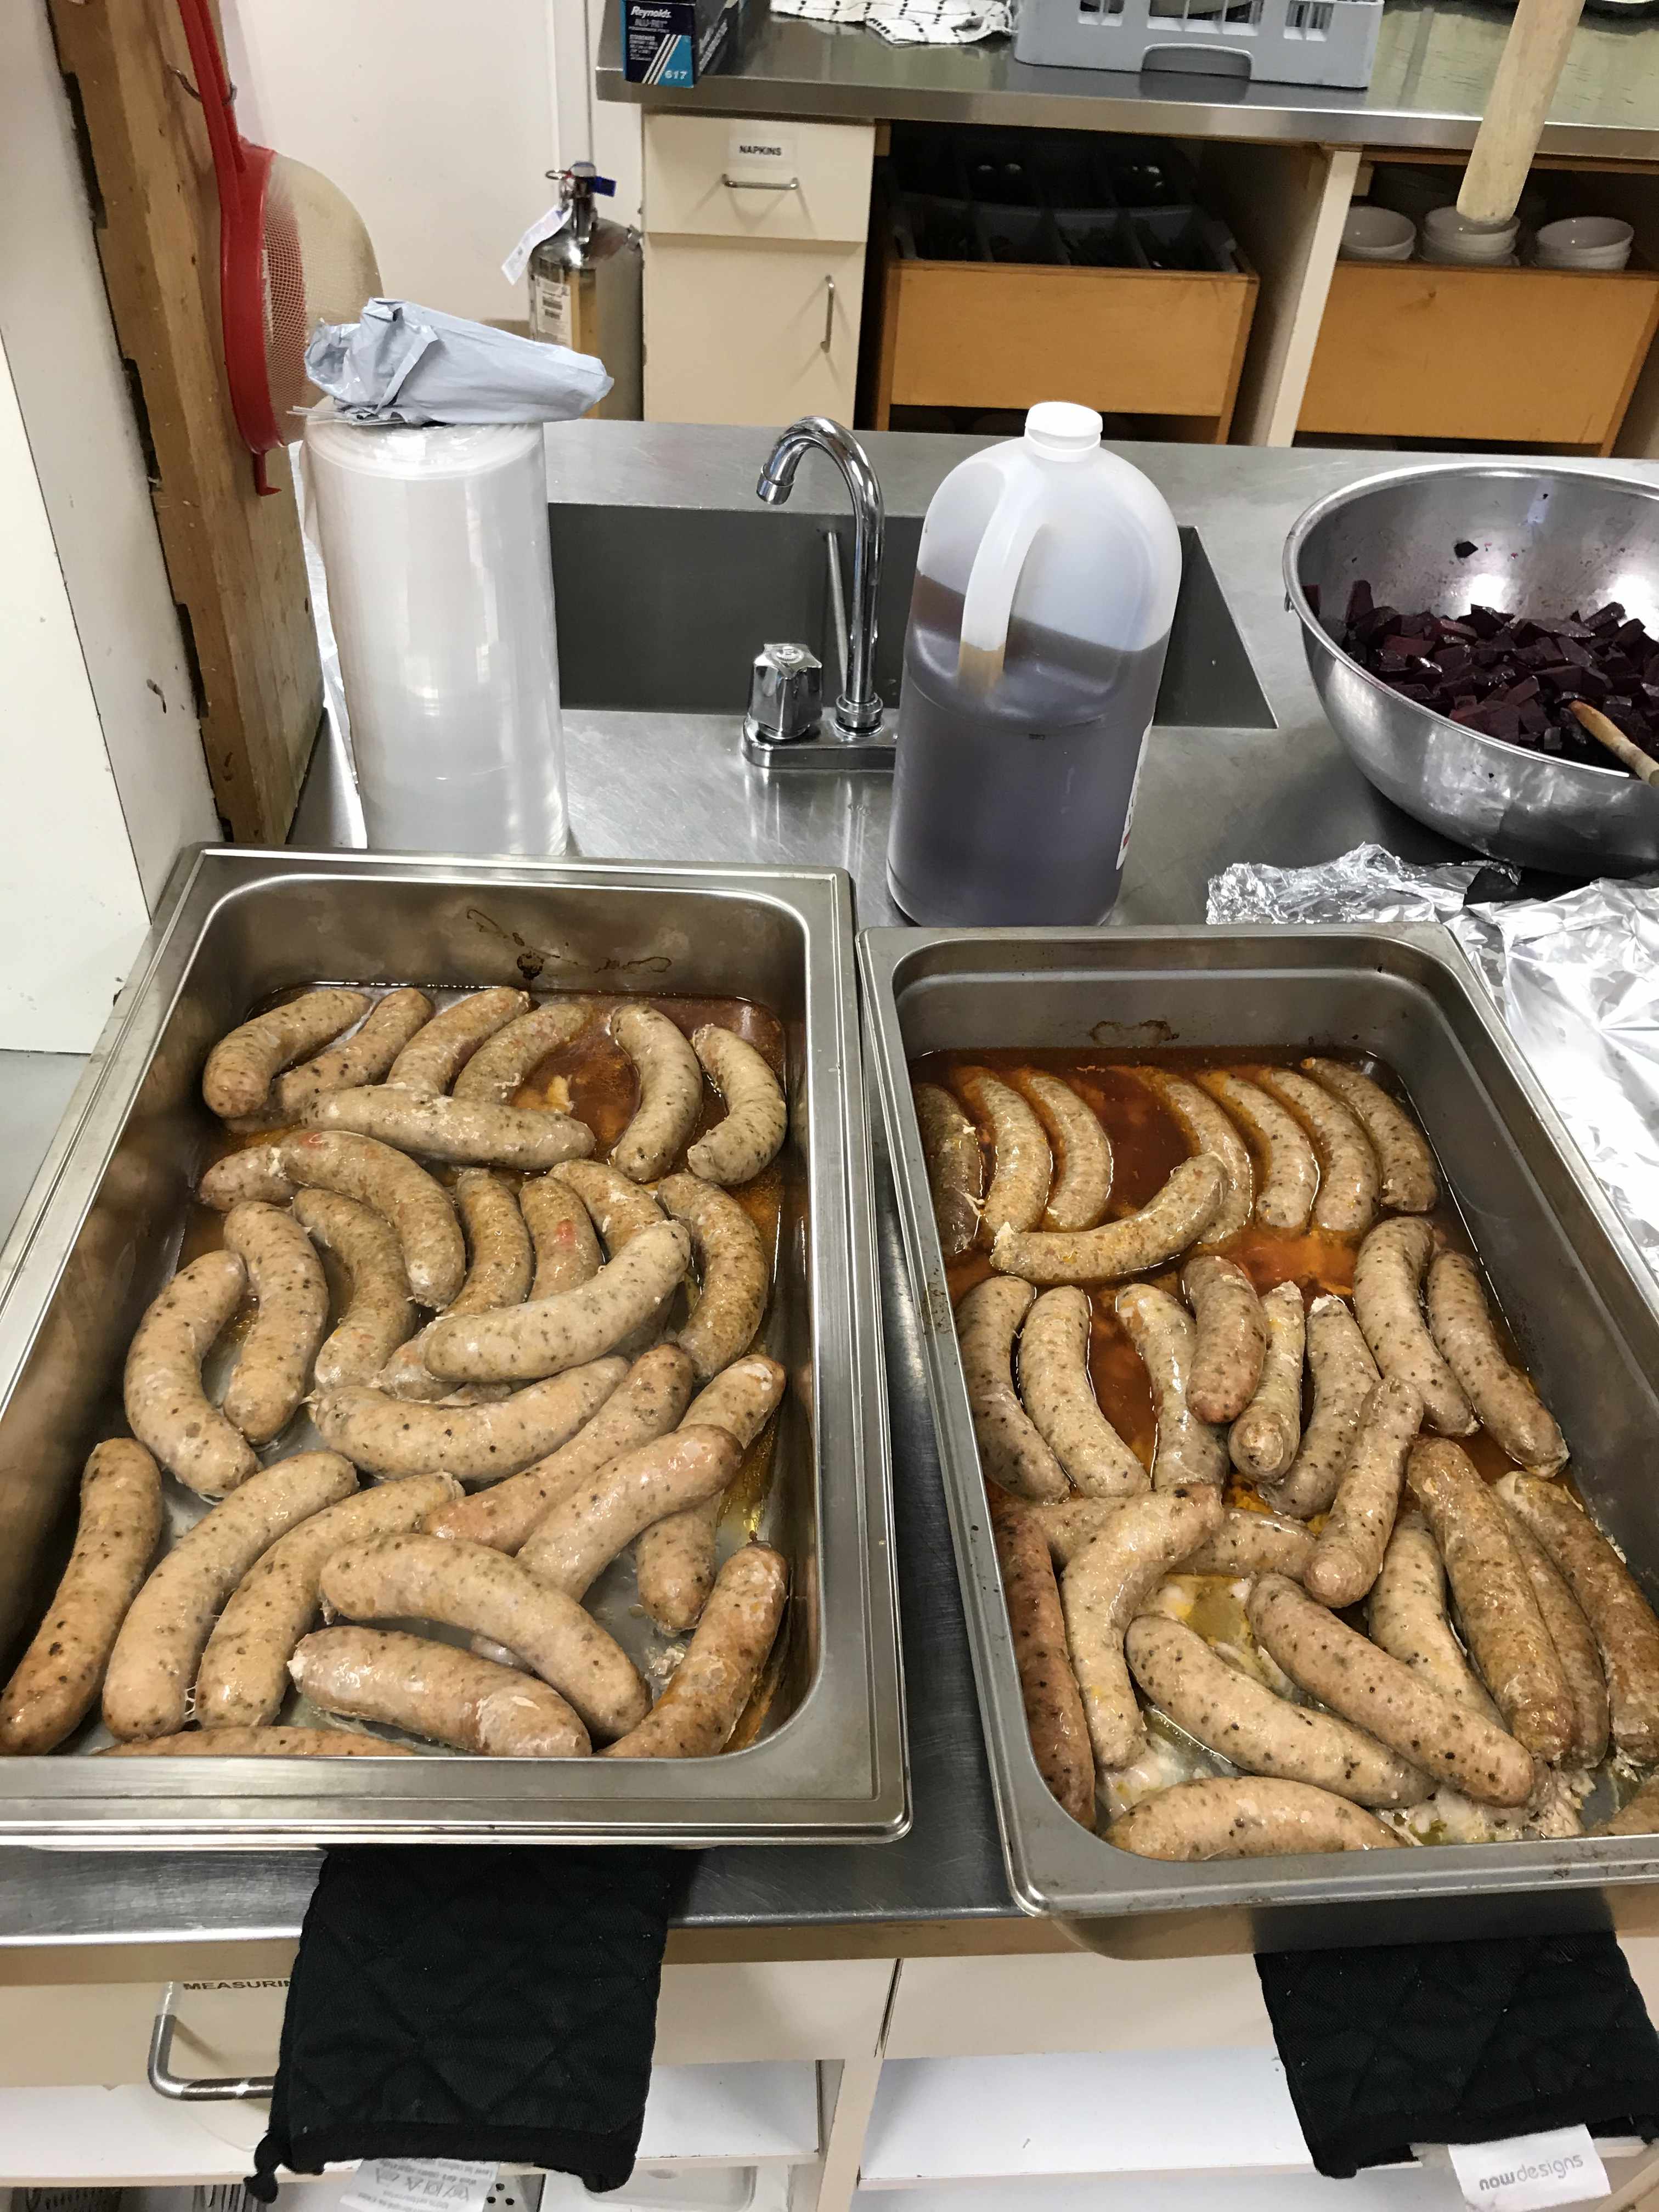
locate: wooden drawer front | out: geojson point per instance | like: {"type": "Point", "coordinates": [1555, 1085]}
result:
{"type": "Point", "coordinates": [1001, 2007]}
{"type": "Point", "coordinates": [1127, 341]}
{"type": "Point", "coordinates": [735, 333]}
{"type": "Point", "coordinates": [687, 157]}
{"type": "Point", "coordinates": [1544, 356]}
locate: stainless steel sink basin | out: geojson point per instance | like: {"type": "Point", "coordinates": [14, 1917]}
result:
{"type": "Point", "coordinates": [662, 611]}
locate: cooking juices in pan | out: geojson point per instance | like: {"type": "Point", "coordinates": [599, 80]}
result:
{"type": "Point", "coordinates": [1147, 1145]}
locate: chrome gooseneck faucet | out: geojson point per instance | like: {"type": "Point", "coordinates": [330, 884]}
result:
{"type": "Point", "coordinates": [858, 710]}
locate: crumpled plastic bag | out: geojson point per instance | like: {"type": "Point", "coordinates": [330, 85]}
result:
{"type": "Point", "coordinates": [416, 366]}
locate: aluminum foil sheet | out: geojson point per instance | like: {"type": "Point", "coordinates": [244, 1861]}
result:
{"type": "Point", "coordinates": [1575, 978]}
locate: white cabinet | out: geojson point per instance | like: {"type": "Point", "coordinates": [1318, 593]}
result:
{"type": "Point", "coordinates": [754, 273]}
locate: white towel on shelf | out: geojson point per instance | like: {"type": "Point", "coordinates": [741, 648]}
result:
{"type": "Point", "coordinates": [907, 22]}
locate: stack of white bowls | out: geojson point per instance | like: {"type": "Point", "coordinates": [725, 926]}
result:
{"type": "Point", "coordinates": [1377, 234]}
{"type": "Point", "coordinates": [1584, 241]}
{"type": "Point", "coordinates": [1452, 239]}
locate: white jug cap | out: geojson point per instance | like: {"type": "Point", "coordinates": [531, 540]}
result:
{"type": "Point", "coordinates": [1063, 429]}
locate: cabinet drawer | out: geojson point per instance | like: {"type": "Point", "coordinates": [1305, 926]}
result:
{"type": "Point", "coordinates": [821, 191]}
{"type": "Point", "coordinates": [750, 333]}
{"type": "Point", "coordinates": [996, 2008]}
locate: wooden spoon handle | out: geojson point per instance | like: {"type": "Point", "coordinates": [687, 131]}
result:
{"type": "Point", "coordinates": [1528, 70]}
{"type": "Point", "coordinates": [1610, 735]}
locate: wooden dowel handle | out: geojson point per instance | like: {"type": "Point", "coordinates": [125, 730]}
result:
{"type": "Point", "coordinates": [1529, 70]}
{"type": "Point", "coordinates": [1610, 735]}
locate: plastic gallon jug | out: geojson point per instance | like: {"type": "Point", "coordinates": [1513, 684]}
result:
{"type": "Point", "coordinates": [1045, 587]}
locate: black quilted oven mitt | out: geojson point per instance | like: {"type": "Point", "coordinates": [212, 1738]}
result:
{"type": "Point", "coordinates": [1435, 2043]}
{"type": "Point", "coordinates": [473, 2002]}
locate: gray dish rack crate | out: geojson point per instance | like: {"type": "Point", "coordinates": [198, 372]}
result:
{"type": "Point", "coordinates": [1331, 42]}
{"type": "Point", "coordinates": [1051, 199]}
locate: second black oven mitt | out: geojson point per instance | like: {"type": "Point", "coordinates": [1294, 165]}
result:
{"type": "Point", "coordinates": [465, 2002]}
{"type": "Point", "coordinates": [1434, 2043]}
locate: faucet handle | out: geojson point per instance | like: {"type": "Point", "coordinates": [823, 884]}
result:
{"type": "Point", "coordinates": [786, 695]}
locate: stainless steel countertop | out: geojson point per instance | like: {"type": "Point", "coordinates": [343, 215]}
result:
{"type": "Point", "coordinates": [1435, 62]}
{"type": "Point", "coordinates": [675, 788]}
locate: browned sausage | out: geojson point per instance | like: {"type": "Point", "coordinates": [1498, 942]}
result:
{"type": "Point", "coordinates": [1053, 1704]}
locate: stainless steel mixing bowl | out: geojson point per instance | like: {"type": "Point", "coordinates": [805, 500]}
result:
{"type": "Point", "coordinates": [1546, 540]}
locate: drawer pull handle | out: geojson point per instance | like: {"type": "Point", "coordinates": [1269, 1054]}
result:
{"type": "Point", "coordinates": [202, 2090]}
{"type": "Point", "coordinates": [828, 311]}
{"type": "Point", "coordinates": [759, 184]}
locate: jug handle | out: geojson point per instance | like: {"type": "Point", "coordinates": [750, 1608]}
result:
{"type": "Point", "coordinates": [994, 579]}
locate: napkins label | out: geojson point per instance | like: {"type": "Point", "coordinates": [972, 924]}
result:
{"type": "Point", "coordinates": [420, 2184]}
{"type": "Point", "coordinates": [1525, 2173]}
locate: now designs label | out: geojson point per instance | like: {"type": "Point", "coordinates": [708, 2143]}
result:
{"type": "Point", "coordinates": [1525, 2173]}
{"type": "Point", "coordinates": [419, 2185]}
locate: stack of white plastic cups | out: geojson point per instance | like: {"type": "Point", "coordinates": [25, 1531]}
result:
{"type": "Point", "coordinates": [435, 542]}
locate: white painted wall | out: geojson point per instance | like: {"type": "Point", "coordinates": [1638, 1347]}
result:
{"type": "Point", "coordinates": [72, 908]}
{"type": "Point", "coordinates": [437, 122]}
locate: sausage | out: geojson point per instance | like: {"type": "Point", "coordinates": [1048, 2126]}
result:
{"type": "Point", "coordinates": [618, 1207]}
{"type": "Point", "coordinates": [446, 1128]}
{"type": "Point", "coordinates": [1348, 1672]}
{"type": "Point", "coordinates": [674, 1559]}
{"type": "Point", "coordinates": [635, 1405]}
{"type": "Point", "coordinates": [1494, 1593]}
{"type": "Point", "coordinates": [1386, 1278]}
{"type": "Point", "coordinates": [1349, 1176]}
{"type": "Point", "coordinates": [1409, 1184]}
{"type": "Point", "coordinates": [1575, 1646]}
{"type": "Point", "coordinates": [1509, 1409]}
{"type": "Point", "coordinates": [243, 1676]}
{"type": "Point", "coordinates": [498, 1243]}
{"type": "Point", "coordinates": [1024, 1165]}
{"type": "Point", "coordinates": [1232, 1337]}
{"type": "Point", "coordinates": [56, 1680]}
{"type": "Point", "coordinates": [1257, 1731]}
{"type": "Point", "coordinates": [1407, 1617]}
{"type": "Point", "coordinates": [1207, 1129]}
{"type": "Point", "coordinates": [1162, 1332]}
{"type": "Point", "coordinates": [1638, 1816]}
{"type": "Point", "coordinates": [431, 1061]}
{"type": "Point", "coordinates": [1243, 1817]}
{"type": "Point", "coordinates": [153, 1665]}
{"type": "Point", "coordinates": [955, 1167]}
{"type": "Point", "coordinates": [670, 1092]}
{"type": "Point", "coordinates": [1169, 1222]}
{"type": "Point", "coordinates": [1053, 1704]}
{"type": "Point", "coordinates": [393, 1440]}
{"type": "Point", "coordinates": [435, 1691]}
{"type": "Point", "coordinates": [1054, 1382]}
{"type": "Point", "coordinates": [380, 1314]}
{"type": "Point", "coordinates": [273, 1368]}
{"type": "Point", "coordinates": [710, 1689]}
{"type": "Point", "coordinates": [374, 1173]}
{"type": "Point", "coordinates": [1263, 1441]}
{"type": "Point", "coordinates": [1348, 1556]}
{"type": "Point", "coordinates": [362, 1057]}
{"type": "Point", "coordinates": [567, 1252]}
{"type": "Point", "coordinates": [1288, 1179]}
{"type": "Point", "coordinates": [1344, 1376]}
{"type": "Point", "coordinates": [498, 1067]}
{"type": "Point", "coordinates": [260, 1743]}
{"type": "Point", "coordinates": [580, 1536]}
{"type": "Point", "coordinates": [236, 1080]}
{"type": "Point", "coordinates": [732, 1261]}
{"type": "Point", "coordinates": [253, 1175]}
{"type": "Point", "coordinates": [757, 1118]}
{"type": "Point", "coordinates": [1081, 1149]}
{"type": "Point", "coordinates": [1613, 1603]}
{"type": "Point", "coordinates": [418, 1577]}
{"type": "Point", "coordinates": [1102, 1589]}
{"type": "Point", "coordinates": [166, 1408]}
{"type": "Point", "coordinates": [543, 1337]}
{"type": "Point", "coordinates": [1068, 1526]}
{"type": "Point", "coordinates": [1249, 1543]}
{"type": "Point", "coordinates": [1011, 1451]}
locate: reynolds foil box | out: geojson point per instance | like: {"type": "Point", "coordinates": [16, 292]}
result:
{"type": "Point", "coordinates": [675, 42]}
